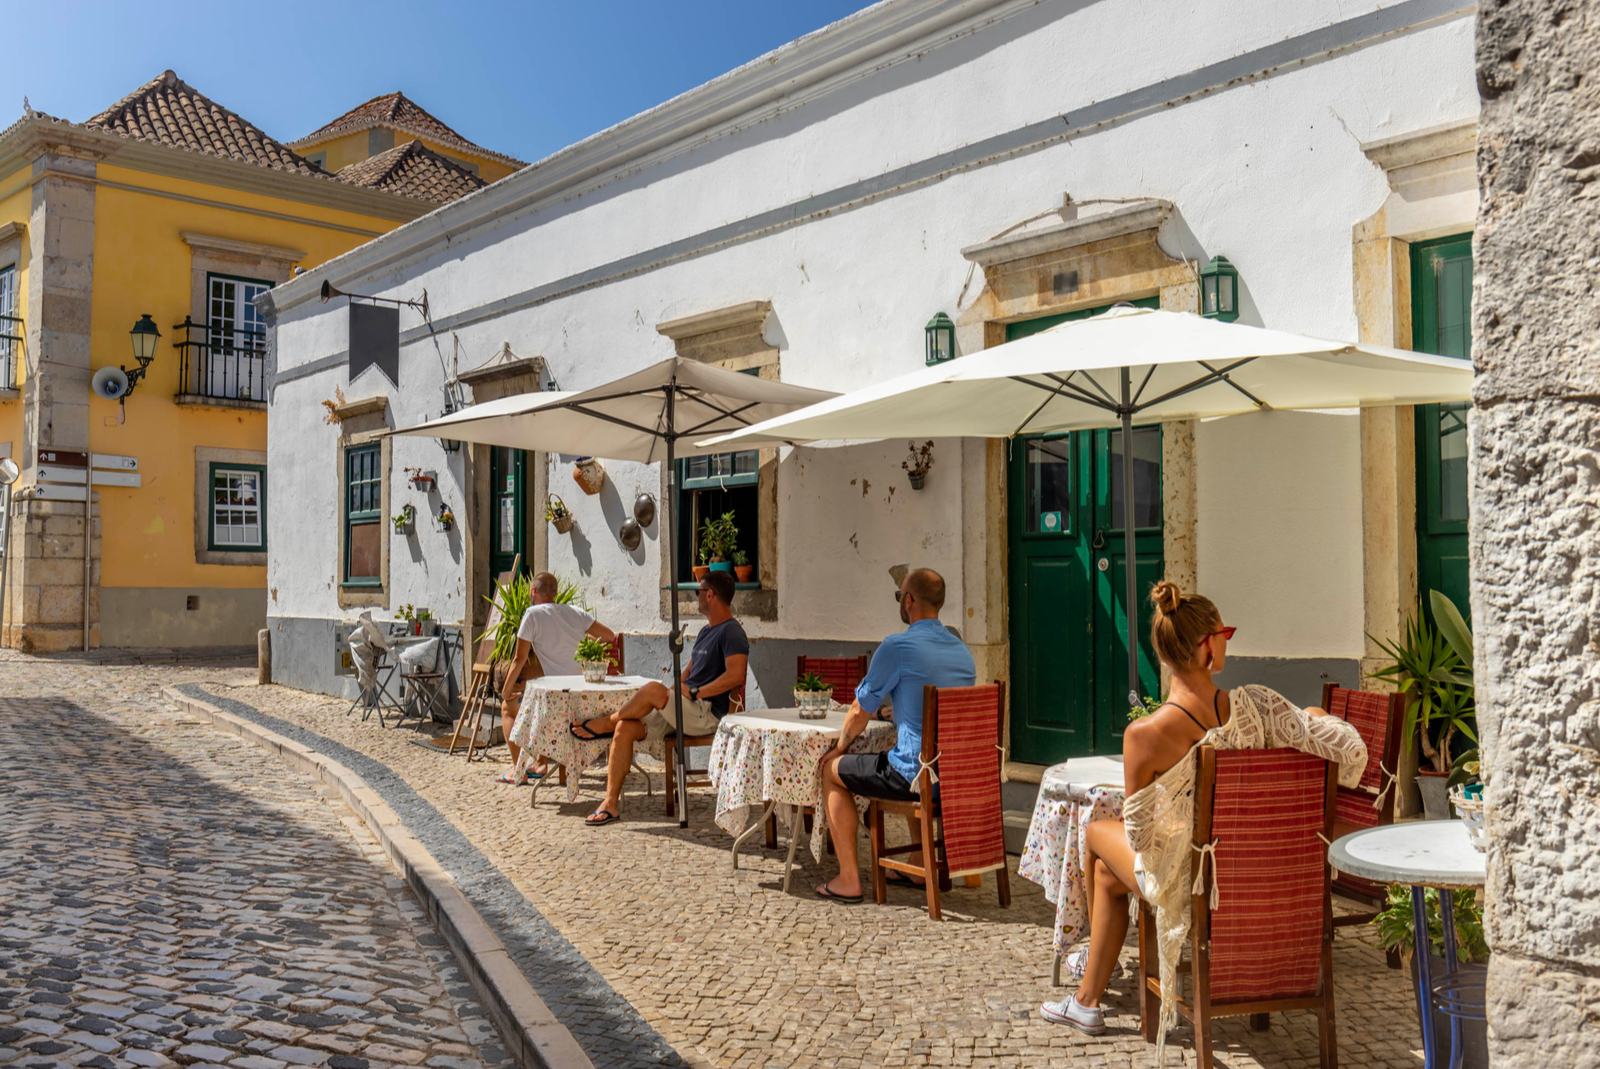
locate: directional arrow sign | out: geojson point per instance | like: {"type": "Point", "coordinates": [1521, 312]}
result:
{"type": "Point", "coordinates": [76, 476]}
{"type": "Point", "coordinates": [63, 458]}
{"type": "Point", "coordinates": [114, 462]}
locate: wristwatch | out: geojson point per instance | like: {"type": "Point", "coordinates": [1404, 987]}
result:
{"type": "Point", "coordinates": [694, 694]}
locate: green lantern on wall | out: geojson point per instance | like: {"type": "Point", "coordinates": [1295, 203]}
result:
{"type": "Point", "coordinates": [1219, 290]}
{"type": "Point", "coordinates": [941, 338]}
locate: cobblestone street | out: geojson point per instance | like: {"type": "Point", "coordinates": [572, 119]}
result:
{"type": "Point", "coordinates": [173, 895]}
{"type": "Point", "coordinates": [638, 926]}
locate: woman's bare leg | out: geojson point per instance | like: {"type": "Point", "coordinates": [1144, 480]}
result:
{"type": "Point", "coordinates": [1110, 866]}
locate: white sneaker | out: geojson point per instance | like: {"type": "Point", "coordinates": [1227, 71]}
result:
{"type": "Point", "coordinates": [1078, 962]}
{"type": "Point", "coordinates": [1090, 1020]}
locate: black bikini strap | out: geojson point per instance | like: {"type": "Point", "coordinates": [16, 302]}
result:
{"type": "Point", "coordinates": [1186, 713]}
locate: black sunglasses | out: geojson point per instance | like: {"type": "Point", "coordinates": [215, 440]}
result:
{"type": "Point", "coordinates": [901, 595]}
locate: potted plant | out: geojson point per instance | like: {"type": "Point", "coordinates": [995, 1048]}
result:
{"type": "Point", "coordinates": [589, 474]}
{"type": "Point", "coordinates": [1397, 931]}
{"type": "Point", "coordinates": [743, 570]}
{"type": "Point", "coordinates": [917, 464]}
{"type": "Point", "coordinates": [718, 537]}
{"type": "Point", "coordinates": [556, 513]}
{"type": "Point", "coordinates": [812, 696]}
{"type": "Point", "coordinates": [425, 623]}
{"type": "Point", "coordinates": [1433, 668]}
{"type": "Point", "coordinates": [702, 569]}
{"type": "Point", "coordinates": [409, 616]}
{"type": "Point", "coordinates": [405, 520]}
{"type": "Point", "coordinates": [593, 658]}
{"type": "Point", "coordinates": [445, 519]}
{"type": "Point", "coordinates": [511, 601]}
{"type": "Point", "coordinates": [419, 479]}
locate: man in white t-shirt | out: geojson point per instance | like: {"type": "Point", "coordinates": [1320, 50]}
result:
{"type": "Point", "coordinates": [552, 632]}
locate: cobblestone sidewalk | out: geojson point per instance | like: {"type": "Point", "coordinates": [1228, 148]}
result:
{"type": "Point", "coordinates": [173, 895]}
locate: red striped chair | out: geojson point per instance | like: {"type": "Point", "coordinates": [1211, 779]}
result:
{"type": "Point", "coordinates": [1379, 719]}
{"type": "Point", "coordinates": [1268, 944]}
{"type": "Point", "coordinates": [616, 667]}
{"type": "Point", "coordinates": [840, 673]}
{"type": "Point", "coordinates": [962, 833]}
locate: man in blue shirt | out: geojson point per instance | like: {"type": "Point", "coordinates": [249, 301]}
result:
{"type": "Point", "coordinates": [924, 654]}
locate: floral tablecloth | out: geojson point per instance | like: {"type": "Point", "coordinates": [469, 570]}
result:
{"type": "Point", "coordinates": [771, 756]}
{"type": "Point", "coordinates": [1071, 795]}
{"type": "Point", "coordinates": [550, 705]}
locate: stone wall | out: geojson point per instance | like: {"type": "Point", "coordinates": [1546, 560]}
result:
{"type": "Point", "coordinates": [1535, 523]}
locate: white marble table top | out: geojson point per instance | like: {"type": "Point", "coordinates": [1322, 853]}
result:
{"type": "Point", "coordinates": [1074, 776]}
{"type": "Point", "coordinates": [789, 720]}
{"type": "Point", "coordinates": [1427, 853]}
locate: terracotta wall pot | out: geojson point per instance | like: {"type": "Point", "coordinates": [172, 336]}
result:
{"type": "Point", "coordinates": [701, 571]}
{"type": "Point", "coordinates": [745, 573]}
{"type": "Point", "coordinates": [589, 474]}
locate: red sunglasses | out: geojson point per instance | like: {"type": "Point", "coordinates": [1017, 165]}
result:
{"type": "Point", "coordinates": [1226, 632]}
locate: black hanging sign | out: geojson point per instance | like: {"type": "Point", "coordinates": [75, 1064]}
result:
{"type": "Point", "coordinates": [374, 339]}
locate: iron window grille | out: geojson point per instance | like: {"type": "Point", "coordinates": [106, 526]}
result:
{"type": "Point", "coordinates": [10, 328]}
{"type": "Point", "coordinates": [225, 357]}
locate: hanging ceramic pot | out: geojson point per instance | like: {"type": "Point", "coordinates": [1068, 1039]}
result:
{"type": "Point", "coordinates": [589, 474]}
{"type": "Point", "coordinates": [644, 509]}
{"type": "Point", "coordinates": [630, 534]}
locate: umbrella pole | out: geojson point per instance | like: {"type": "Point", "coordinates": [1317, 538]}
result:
{"type": "Point", "coordinates": [675, 637]}
{"type": "Point", "coordinates": [1130, 562]}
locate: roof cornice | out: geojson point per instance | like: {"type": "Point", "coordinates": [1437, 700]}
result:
{"type": "Point", "coordinates": [25, 140]}
{"type": "Point", "coordinates": [856, 47]}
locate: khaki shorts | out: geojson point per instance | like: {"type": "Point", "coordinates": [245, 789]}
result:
{"type": "Point", "coordinates": [696, 714]}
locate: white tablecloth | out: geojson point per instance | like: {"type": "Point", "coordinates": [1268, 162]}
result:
{"type": "Point", "coordinates": [1071, 795]}
{"type": "Point", "coordinates": [771, 755]}
{"type": "Point", "coordinates": [550, 705]}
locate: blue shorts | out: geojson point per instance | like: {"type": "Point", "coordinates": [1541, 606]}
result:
{"type": "Point", "coordinates": [870, 775]}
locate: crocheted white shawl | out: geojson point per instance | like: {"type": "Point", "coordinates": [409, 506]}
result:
{"type": "Point", "coordinates": [1160, 818]}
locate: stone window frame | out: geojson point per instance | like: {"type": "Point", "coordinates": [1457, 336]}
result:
{"type": "Point", "coordinates": [212, 255]}
{"type": "Point", "coordinates": [733, 338]}
{"type": "Point", "coordinates": [362, 422]}
{"type": "Point", "coordinates": [204, 458]}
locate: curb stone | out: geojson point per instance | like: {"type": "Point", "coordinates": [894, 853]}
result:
{"type": "Point", "coordinates": [534, 1038]}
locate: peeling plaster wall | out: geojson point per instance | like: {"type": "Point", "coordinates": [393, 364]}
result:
{"type": "Point", "coordinates": [1535, 525]}
{"type": "Point", "coordinates": [1268, 172]}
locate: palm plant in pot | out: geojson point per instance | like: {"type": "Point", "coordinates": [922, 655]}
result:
{"type": "Point", "coordinates": [812, 696]}
{"type": "Point", "coordinates": [511, 601]}
{"type": "Point", "coordinates": [594, 658]}
{"type": "Point", "coordinates": [1432, 666]}
{"type": "Point", "coordinates": [718, 537]}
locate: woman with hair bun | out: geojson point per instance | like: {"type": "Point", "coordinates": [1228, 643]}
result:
{"type": "Point", "coordinates": [1147, 852]}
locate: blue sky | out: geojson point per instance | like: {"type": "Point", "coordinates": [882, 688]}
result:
{"type": "Point", "coordinates": [523, 79]}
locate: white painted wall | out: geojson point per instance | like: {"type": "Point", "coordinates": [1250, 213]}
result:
{"type": "Point", "coordinates": [1267, 172]}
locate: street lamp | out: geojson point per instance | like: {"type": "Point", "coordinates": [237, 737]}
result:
{"type": "Point", "coordinates": [144, 335]}
{"type": "Point", "coordinates": [1219, 290]}
{"type": "Point", "coordinates": [941, 339]}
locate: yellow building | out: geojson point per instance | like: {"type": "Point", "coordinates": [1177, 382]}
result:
{"type": "Point", "coordinates": [390, 121]}
{"type": "Point", "coordinates": [170, 206]}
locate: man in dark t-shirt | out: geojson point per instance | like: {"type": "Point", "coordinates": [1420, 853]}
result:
{"type": "Point", "coordinates": [716, 670]}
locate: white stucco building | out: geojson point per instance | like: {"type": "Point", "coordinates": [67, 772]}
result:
{"type": "Point", "coordinates": [804, 216]}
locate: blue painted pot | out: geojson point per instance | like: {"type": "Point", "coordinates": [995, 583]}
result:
{"type": "Point", "coordinates": [722, 566]}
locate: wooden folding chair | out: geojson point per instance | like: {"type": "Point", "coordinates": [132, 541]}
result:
{"type": "Point", "coordinates": [1379, 719]}
{"type": "Point", "coordinates": [960, 821]}
{"type": "Point", "coordinates": [1262, 815]}
{"type": "Point", "coordinates": [695, 777]}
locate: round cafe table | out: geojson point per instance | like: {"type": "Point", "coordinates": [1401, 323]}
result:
{"type": "Point", "coordinates": [550, 705]}
{"type": "Point", "coordinates": [1071, 796]}
{"type": "Point", "coordinates": [768, 758]}
{"type": "Point", "coordinates": [1425, 853]}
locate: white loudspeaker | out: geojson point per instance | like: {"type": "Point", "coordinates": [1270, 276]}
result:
{"type": "Point", "coordinates": [110, 383]}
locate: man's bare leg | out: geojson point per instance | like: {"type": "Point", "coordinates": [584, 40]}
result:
{"type": "Point", "coordinates": [628, 732]}
{"type": "Point", "coordinates": [840, 806]}
{"type": "Point", "coordinates": [651, 696]}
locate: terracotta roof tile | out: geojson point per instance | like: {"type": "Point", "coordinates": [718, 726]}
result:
{"type": "Point", "coordinates": [398, 112]}
{"type": "Point", "coordinates": [413, 170]}
{"type": "Point", "coordinates": [168, 111]}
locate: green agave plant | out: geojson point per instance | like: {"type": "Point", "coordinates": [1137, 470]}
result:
{"type": "Point", "coordinates": [1433, 666]}
{"type": "Point", "coordinates": [513, 598]}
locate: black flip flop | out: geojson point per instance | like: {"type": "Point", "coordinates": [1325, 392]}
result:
{"type": "Point", "coordinates": [849, 900]}
{"type": "Point", "coordinates": [589, 736]}
{"type": "Point", "coordinates": [610, 818]}
{"type": "Point", "coordinates": [895, 876]}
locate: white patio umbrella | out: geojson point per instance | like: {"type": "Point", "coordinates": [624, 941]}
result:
{"type": "Point", "coordinates": [654, 414]}
{"type": "Point", "coordinates": [1108, 370]}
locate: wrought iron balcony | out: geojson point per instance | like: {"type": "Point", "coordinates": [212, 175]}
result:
{"type": "Point", "coordinates": [10, 351]}
{"type": "Point", "coordinates": [221, 362]}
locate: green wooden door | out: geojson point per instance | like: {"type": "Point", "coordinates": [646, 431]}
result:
{"type": "Point", "coordinates": [1065, 581]}
{"type": "Point", "coordinates": [1441, 318]}
{"type": "Point", "coordinates": [507, 489]}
